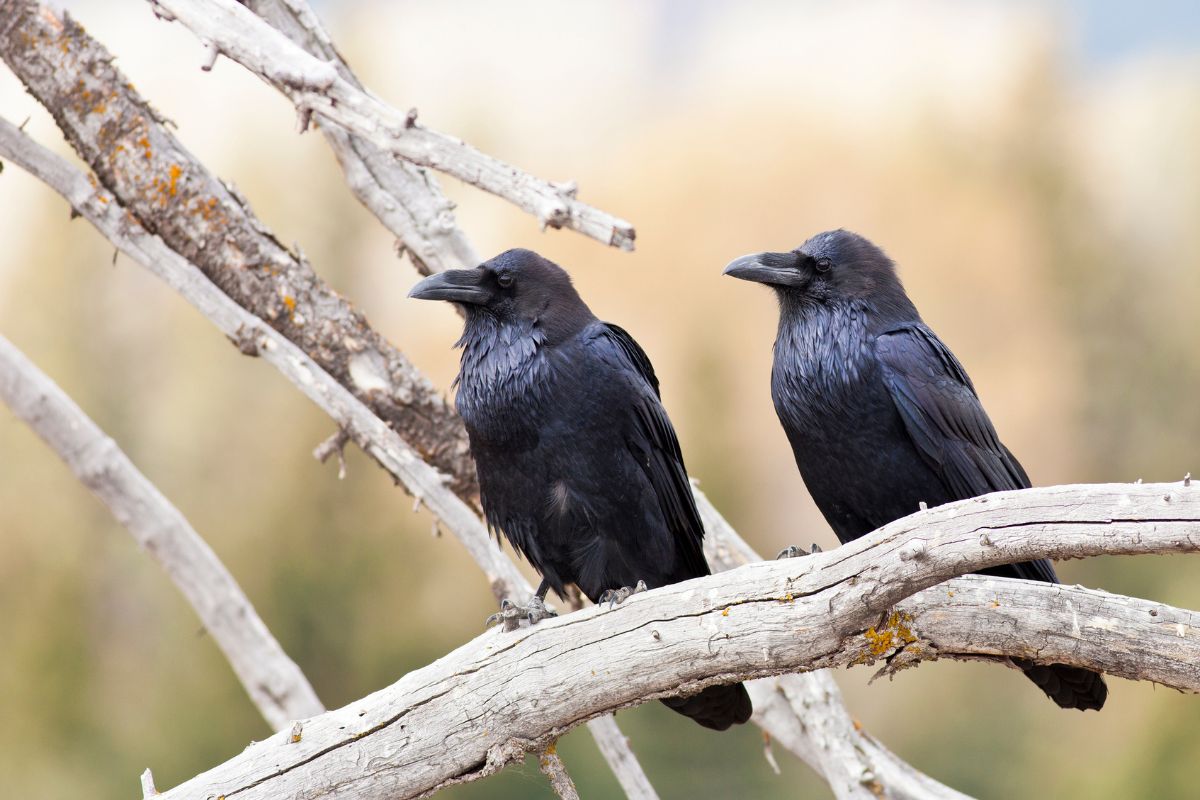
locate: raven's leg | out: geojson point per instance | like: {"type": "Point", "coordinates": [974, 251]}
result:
{"type": "Point", "coordinates": [795, 552]}
{"type": "Point", "coordinates": [614, 596]}
{"type": "Point", "coordinates": [511, 614]}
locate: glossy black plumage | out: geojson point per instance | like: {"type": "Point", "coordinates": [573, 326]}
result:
{"type": "Point", "coordinates": [880, 414]}
{"type": "Point", "coordinates": [579, 467]}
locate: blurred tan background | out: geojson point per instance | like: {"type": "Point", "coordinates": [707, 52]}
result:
{"type": "Point", "coordinates": [1034, 169]}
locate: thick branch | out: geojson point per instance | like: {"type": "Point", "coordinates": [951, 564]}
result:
{"type": "Point", "coordinates": [473, 711]}
{"type": "Point", "coordinates": [315, 86]}
{"type": "Point", "coordinates": [406, 198]}
{"type": "Point", "coordinates": [273, 681]}
{"type": "Point", "coordinates": [171, 194]}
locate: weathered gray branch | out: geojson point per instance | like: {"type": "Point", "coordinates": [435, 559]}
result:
{"type": "Point", "coordinates": [552, 766]}
{"type": "Point", "coordinates": [165, 188]}
{"type": "Point", "coordinates": [805, 712]}
{"type": "Point", "coordinates": [472, 711]}
{"type": "Point", "coordinates": [316, 87]}
{"type": "Point", "coordinates": [406, 198]}
{"type": "Point", "coordinates": [273, 681]}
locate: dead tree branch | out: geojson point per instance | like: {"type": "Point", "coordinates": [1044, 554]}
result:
{"type": "Point", "coordinates": [316, 87]}
{"type": "Point", "coordinates": [165, 188]}
{"type": "Point", "coordinates": [552, 766]}
{"type": "Point", "coordinates": [471, 712]}
{"type": "Point", "coordinates": [404, 197]}
{"type": "Point", "coordinates": [273, 681]}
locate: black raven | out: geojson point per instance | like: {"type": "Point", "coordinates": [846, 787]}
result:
{"type": "Point", "coordinates": [880, 414]}
{"type": "Point", "coordinates": [578, 464]}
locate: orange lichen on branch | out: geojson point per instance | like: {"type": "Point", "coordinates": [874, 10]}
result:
{"type": "Point", "coordinates": [175, 172]}
{"type": "Point", "coordinates": [893, 634]}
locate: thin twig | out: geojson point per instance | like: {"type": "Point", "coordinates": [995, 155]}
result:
{"type": "Point", "coordinates": [555, 770]}
{"type": "Point", "coordinates": [334, 444]}
{"type": "Point", "coordinates": [148, 789]}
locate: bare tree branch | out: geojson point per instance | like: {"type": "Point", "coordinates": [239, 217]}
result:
{"type": "Point", "coordinates": [619, 755]}
{"type": "Point", "coordinates": [316, 87]}
{"type": "Point", "coordinates": [805, 712]}
{"type": "Point", "coordinates": [406, 198]}
{"type": "Point", "coordinates": [148, 789]}
{"type": "Point", "coordinates": [471, 712]}
{"type": "Point", "coordinates": [555, 770]}
{"type": "Point", "coordinates": [273, 681]}
{"type": "Point", "coordinates": [172, 195]}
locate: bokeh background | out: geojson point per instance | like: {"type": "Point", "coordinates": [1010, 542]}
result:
{"type": "Point", "coordinates": [1033, 168]}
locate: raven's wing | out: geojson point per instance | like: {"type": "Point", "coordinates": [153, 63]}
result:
{"type": "Point", "coordinates": [947, 423]}
{"type": "Point", "coordinates": [652, 442]}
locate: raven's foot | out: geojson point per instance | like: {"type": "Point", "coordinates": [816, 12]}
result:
{"type": "Point", "coordinates": [614, 596]}
{"type": "Point", "coordinates": [796, 552]}
{"type": "Point", "coordinates": [511, 614]}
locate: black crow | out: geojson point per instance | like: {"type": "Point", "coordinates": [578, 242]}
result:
{"type": "Point", "coordinates": [578, 464]}
{"type": "Point", "coordinates": [880, 414]}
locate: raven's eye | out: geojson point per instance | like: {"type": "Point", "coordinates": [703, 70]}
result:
{"type": "Point", "coordinates": [505, 281]}
{"type": "Point", "coordinates": [823, 264]}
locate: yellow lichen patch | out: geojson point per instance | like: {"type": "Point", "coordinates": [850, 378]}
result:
{"type": "Point", "coordinates": [894, 634]}
{"type": "Point", "coordinates": [995, 603]}
{"type": "Point", "coordinates": [175, 172]}
{"type": "Point", "coordinates": [144, 143]}
{"type": "Point", "coordinates": [290, 302]}
{"type": "Point", "coordinates": [787, 598]}
{"type": "Point", "coordinates": [725, 613]}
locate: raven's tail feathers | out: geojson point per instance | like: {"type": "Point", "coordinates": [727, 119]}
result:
{"type": "Point", "coordinates": [1069, 687]}
{"type": "Point", "coordinates": [717, 707]}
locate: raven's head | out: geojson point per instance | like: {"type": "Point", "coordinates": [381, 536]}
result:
{"type": "Point", "coordinates": [517, 287]}
{"type": "Point", "coordinates": [831, 266]}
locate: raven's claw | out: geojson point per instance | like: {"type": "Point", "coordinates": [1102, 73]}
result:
{"type": "Point", "coordinates": [511, 614]}
{"type": "Point", "coordinates": [796, 552]}
{"type": "Point", "coordinates": [614, 596]}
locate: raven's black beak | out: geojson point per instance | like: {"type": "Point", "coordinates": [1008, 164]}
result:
{"type": "Point", "coordinates": [775, 269]}
{"type": "Point", "coordinates": [454, 285]}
